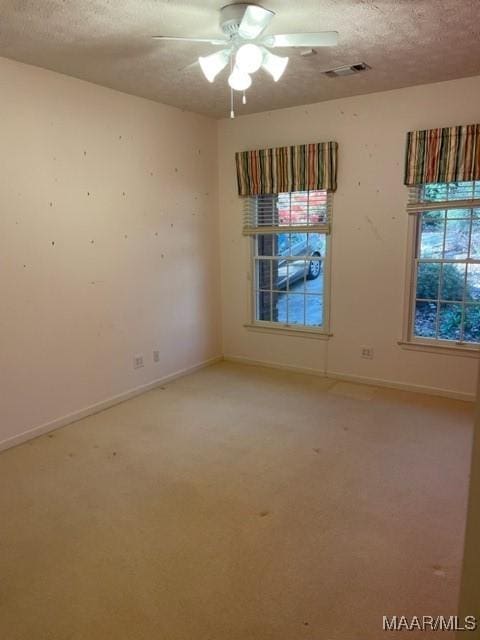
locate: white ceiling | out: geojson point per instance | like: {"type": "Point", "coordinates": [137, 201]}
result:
{"type": "Point", "coordinates": [406, 42]}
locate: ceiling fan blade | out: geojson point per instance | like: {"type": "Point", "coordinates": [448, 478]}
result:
{"type": "Point", "coordinates": [208, 40]}
{"type": "Point", "coordinates": [254, 21]}
{"type": "Point", "coordinates": [322, 39]}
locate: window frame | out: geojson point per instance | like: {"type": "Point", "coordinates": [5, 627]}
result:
{"type": "Point", "coordinates": [409, 339]}
{"type": "Point", "coordinates": [264, 326]}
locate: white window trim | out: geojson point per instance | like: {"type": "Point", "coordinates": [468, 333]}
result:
{"type": "Point", "coordinates": [292, 329]}
{"type": "Point", "coordinates": [409, 341]}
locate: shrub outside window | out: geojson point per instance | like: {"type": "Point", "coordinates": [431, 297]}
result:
{"type": "Point", "coordinates": [445, 295]}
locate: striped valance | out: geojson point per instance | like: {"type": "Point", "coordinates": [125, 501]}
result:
{"type": "Point", "coordinates": [304, 167]}
{"type": "Point", "coordinates": [451, 154]}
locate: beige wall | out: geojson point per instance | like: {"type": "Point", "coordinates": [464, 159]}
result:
{"type": "Point", "coordinates": [108, 244]}
{"type": "Point", "coordinates": [369, 236]}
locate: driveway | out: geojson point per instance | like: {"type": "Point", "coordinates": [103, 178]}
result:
{"type": "Point", "coordinates": [303, 302]}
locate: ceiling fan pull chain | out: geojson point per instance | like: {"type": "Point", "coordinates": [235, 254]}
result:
{"type": "Point", "coordinates": [232, 112]}
{"type": "Point", "coordinates": [244, 99]}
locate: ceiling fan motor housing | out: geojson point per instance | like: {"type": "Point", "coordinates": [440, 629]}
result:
{"type": "Point", "coordinates": [231, 16]}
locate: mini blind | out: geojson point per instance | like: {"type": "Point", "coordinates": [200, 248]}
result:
{"type": "Point", "coordinates": [451, 195]}
{"type": "Point", "coordinates": [306, 211]}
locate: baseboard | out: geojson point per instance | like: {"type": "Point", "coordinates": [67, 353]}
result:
{"type": "Point", "coordinates": [101, 406]}
{"type": "Point", "coordinates": [275, 365]}
{"type": "Point", "coordinates": [401, 386]}
{"type": "Point", "coordinates": [376, 382]}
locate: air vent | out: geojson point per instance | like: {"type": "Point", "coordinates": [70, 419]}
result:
{"type": "Point", "coordinates": [347, 70]}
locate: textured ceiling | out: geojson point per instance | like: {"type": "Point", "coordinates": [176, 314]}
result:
{"type": "Point", "coordinates": [108, 42]}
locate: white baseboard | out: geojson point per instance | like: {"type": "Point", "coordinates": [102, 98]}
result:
{"type": "Point", "coordinates": [376, 382]}
{"type": "Point", "coordinates": [101, 406]}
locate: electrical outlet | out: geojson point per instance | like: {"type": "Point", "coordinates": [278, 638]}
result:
{"type": "Point", "coordinates": [156, 356]}
{"type": "Point", "coordinates": [138, 362]}
{"type": "Point", "coordinates": [366, 352]}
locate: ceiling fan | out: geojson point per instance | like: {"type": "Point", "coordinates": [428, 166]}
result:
{"type": "Point", "coordinates": [246, 49]}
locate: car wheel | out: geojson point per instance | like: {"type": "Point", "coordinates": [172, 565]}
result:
{"type": "Point", "coordinates": [314, 268]}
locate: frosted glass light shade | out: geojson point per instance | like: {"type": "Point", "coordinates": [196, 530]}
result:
{"type": "Point", "coordinates": [275, 65]}
{"type": "Point", "coordinates": [249, 58]}
{"type": "Point", "coordinates": [213, 64]}
{"type": "Point", "coordinates": [239, 80]}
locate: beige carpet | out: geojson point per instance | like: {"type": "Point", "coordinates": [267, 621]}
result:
{"type": "Point", "coordinates": [237, 503]}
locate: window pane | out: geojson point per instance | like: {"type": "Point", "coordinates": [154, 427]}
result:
{"type": "Point", "coordinates": [475, 241]}
{"type": "Point", "coordinates": [317, 204]}
{"type": "Point", "coordinates": [299, 208]}
{"type": "Point", "coordinates": [456, 239]}
{"type": "Point", "coordinates": [472, 323]}
{"type": "Point", "coordinates": [296, 274]}
{"type": "Point", "coordinates": [283, 206]}
{"type": "Point", "coordinates": [315, 276]}
{"type": "Point", "coordinates": [459, 213]}
{"type": "Point", "coordinates": [280, 280]}
{"type": "Point", "coordinates": [298, 244]}
{"type": "Point", "coordinates": [428, 278]}
{"type": "Point", "coordinates": [432, 231]}
{"type": "Point", "coordinates": [313, 311]}
{"type": "Point", "coordinates": [283, 244]}
{"type": "Point", "coordinates": [264, 274]}
{"type": "Point", "coordinates": [264, 306]}
{"type": "Point", "coordinates": [267, 245]}
{"type": "Point", "coordinates": [281, 307]}
{"type": "Point", "coordinates": [450, 321]}
{"type": "Point", "coordinates": [473, 282]}
{"type": "Point", "coordinates": [296, 308]}
{"type": "Point", "coordinates": [317, 244]}
{"type": "Point", "coordinates": [426, 319]}
{"type": "Point", "coordinates": [453, 282]}
{"type": "Point", "coordinates": [460, 190]}
{"type": "Point", "coordinates": [434, 192]}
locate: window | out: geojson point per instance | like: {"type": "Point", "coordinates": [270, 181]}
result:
{"type": "Point", "coordinates": [290, 238]}
{"type": "Point", "coordinates": [445, 290]}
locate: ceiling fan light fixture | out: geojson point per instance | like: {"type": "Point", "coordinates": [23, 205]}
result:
{"type": "Point", "coordinates": [213, 64]}
{"type": "Point", "coordinates": [274, 65]}
{"type": "Point", "coordinates": [249, 58]}
{"type": "Point", "coordinates": [239, 80]}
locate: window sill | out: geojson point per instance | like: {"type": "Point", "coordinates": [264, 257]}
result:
{"type": "Point", "coordinates": [446, 349]}
{"type": "Point", "coordinates": [289, 330]}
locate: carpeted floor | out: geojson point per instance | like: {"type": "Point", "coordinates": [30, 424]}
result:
{"type": "Point", "coordinates": [237, 503]}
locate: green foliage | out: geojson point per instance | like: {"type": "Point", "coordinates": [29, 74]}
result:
{"type": "Point", "coordinates": [472, 323]}
{"type": "Point", "coordinates": [438, 191]}
{"type": "Point", "coordinates": [450, 321]}
{"type": "Point", "coordinates": [428, 281]}
{"type": "Point", "coordinates": [433, 220]}
{"type": "Point", "coordinates": [435, 192]}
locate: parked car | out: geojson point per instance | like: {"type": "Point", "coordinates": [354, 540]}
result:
{"type": "Point", "coordinates": [297, 244]}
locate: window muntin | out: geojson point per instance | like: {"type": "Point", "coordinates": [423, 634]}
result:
{"type": "Point", "coordinates": [446, 279]}
{"type": "Point", "coordinates": [289, 266]}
